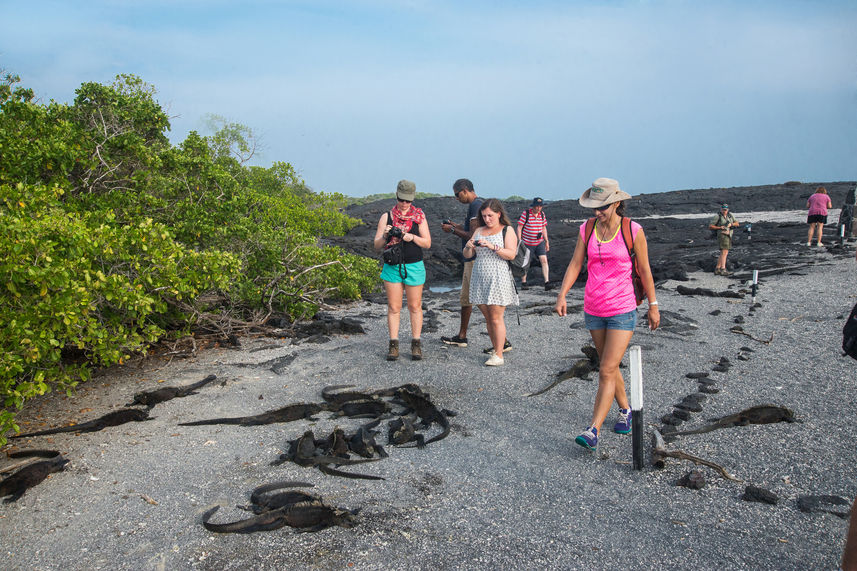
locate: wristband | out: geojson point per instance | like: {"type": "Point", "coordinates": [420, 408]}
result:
{"type": "Point", "coordinates": [651, 303]}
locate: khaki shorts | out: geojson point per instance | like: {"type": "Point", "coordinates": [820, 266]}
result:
{"type": "Point", "coordinates": [465, 284]}
{"type": "Point", "coordinates": [725, 241]}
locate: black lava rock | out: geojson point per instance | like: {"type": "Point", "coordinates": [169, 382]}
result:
{"type": "Point", "coordinates": [754, 494]}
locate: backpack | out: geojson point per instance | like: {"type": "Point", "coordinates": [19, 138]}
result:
{"type": "Point", "coordinates": [849, 335]}
{"type": "Point", "coordinates": [521, 261]}
{"type": "Point", "coordinates": [721, 221]}
{"type": "Point", "coordinates": [639, 292]}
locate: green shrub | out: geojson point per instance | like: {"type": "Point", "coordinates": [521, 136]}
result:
{"type": "Point", "coordinates": [76, 283]}
{"type": "Point", "coordinates": [112, 238]}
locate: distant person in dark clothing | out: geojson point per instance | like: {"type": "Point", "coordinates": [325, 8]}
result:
{"type": "Point", "coordinates": [465, 194]}
{"type": "Point", "coordinates": [533, 232]}
{"type": "Point", "coordinates": [818, 203]}
{"type": "Point", "coordinates": [723, 223]}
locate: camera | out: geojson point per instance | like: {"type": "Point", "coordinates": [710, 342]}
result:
{"type": "Point", "coordinates": [446, 221]}
{"type": "Point", "coordinates": [395, 232]}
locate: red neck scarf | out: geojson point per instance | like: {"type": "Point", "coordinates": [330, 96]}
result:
{"type": "Point", "coordinates": [405, 221]}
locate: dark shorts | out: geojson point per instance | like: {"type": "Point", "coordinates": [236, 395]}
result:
{"type": "Point", "coordinates": [815, 218]}
{"type": "Point", "coordinates": [537, 250]}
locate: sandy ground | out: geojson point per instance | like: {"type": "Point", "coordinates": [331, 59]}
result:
{"type": "Point", "coordinates": [508, 487]}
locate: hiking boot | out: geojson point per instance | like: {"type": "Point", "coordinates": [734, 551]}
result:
{"type": "Point", "coordinates": [459, 341]}
{"type": "Point", "coordinates": [524, 286]}
{"type": "Point", "coordinates": [716, 271]}
{"type": "Point", "coordinates": [507, 346]}
{"type": "Point", "coordinates": [416, 350]}
{"type": "Point", "coordinates": [623, 424]}
{"type": "Point", "coordinates": [549, 286]}
{"type": "Point", "coordinates": [589, 438]}
{"type": "Point", "coordinates": [725, 272]}
{"type": "Point", "coordinates": [393, 351]}
{"type": "Point", "coordinates": [494, 361]}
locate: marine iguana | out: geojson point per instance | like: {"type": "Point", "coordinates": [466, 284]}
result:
{"type": "Point", "coordinates": [391, 391]}
{"type": "Point", "coordinates": [304, 451]}
{"type": "Point", "coordinates": [262, 503]}
{"type": "Point", "coordinates": [151, 398]}
{"type": "Point", "coordinates": [336, 444]}
{"type": "Point", "coordinates": [760, 414]}
{"type": "Point", "coordinates": [401, 431]}
{"type": "Point", "coordinates": [365, 408]}
{"type": "Point", "coordinates": [31, 475]}
{"type": "Point", "coordinates": [363, 443]}
{"type": "Point", "coordinates": [287, 413]}
{"type": "Point", "coordinates": [305, 517]}
{"type": "Point", "coordinates": [114, 418]}
{"type": "Point", "coordinates": [427, 411]}
{"type": "Point", "coordinates": [334, 395]}
{"type": "Point", "coordinates": [580, 369]}
{"type": "Point", "coordinates": [32, 453]}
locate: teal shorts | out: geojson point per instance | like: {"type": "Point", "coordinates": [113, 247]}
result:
{"type": "Point", "coordinates": [416, 274]}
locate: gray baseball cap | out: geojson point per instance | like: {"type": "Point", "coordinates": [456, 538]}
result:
{"type": "Point", "coordinates": [406, 190]}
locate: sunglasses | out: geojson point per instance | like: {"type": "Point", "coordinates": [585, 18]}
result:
{"type": "Point", "coordinates": [603, 208]}
{"type": "Point", "coordinates": [403, 200]}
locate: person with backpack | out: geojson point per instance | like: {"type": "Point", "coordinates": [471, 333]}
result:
{"type": "Point", "coordinates": [609, 299]}
{"type": "Point", "coordinates": [533, 232]}
{"type": "Point", "coordinates": [403, 234]}
{"type": "Point", "coordinates": [723, 224]}
{"type": "Point", "coordinates": [492, 286]}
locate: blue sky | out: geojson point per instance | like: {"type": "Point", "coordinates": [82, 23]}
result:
{"type": "Point", "coordinates": [531, 98]}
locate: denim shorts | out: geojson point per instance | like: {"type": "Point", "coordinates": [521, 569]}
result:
{"type": "Point", "coordinates": [415, 274]}
{"type": "Point", "coordinates": [621, 322]}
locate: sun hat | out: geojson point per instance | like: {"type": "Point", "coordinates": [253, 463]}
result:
{"type": "Point", "coordinates": [406, 190]}
{"type": "Point", "coordinates": [536, 202]}
{"type": "Point", "coordinates": [603, 191]}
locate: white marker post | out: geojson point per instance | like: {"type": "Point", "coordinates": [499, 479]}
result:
{"type": "Point", "coordinates": [842, 235]}
{"type": "Point", "coordinates": [755, 284]}
{"type": "Point", "coordinates": [636, 361]}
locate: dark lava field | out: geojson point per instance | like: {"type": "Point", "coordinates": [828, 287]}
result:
{"type": "Point", "coordinates": [677, 246]}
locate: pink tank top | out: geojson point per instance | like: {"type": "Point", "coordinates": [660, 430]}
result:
{"type": "Point", "coordinates": [609, 290]}
{"type": "Point", "coordinates": [817, 203]}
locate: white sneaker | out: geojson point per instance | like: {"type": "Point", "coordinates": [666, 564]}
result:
{"type": "Point", "coordinates": [494, 361]}
{"type": "Point", "coordinates": [809, 243]}
{"type": "Point", "coordinates": [820, 245]}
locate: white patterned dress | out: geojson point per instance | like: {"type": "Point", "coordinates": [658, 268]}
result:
{"type": "Point", "coordinates": [491, 282]}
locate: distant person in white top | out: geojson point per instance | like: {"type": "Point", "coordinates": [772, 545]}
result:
{"type": "Point", "coordinates": [533, 232]}
{"type": "Point", "coordinates": [818, 203]}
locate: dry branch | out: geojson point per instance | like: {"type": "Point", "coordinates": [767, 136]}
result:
{"type": "Point", "coordinates": [660, 454]}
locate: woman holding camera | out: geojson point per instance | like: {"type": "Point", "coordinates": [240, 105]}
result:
{"type": "Point", "coordinates": [404, 228]}
{"type": "Point", "coordinates": [491, 286]}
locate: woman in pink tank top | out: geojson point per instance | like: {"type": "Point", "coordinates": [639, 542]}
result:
{"type": "Point", "coordinates": [818, 203]}
{"type": "Point", "coordinates": [609, 304]}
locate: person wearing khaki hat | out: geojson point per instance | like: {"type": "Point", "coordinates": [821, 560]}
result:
{"type": "Point", "coordinates": [403, 234]}
{"type": "Point", "coordinates": [723, 223]}
{"type": "Point", "coordinates": [609, 300]}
